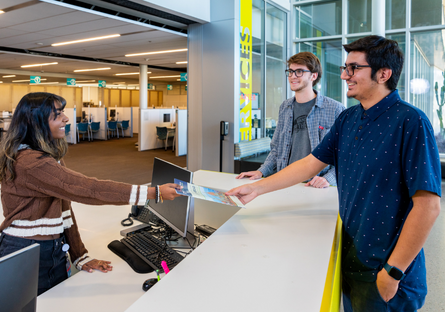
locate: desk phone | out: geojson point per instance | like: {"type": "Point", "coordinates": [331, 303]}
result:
{"type": "Point", "coordinates": [140, 213]}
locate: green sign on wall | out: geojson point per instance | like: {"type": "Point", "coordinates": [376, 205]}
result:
{"type": "Point", "coordinates": [183, 76]}
{"type": "Point", "coordinates": [150, 86]}
{"type": "Point", "coordinates": [169, 87]}
{"type": "Point", "coordinates": [102, 83]}
{"type": "Point", "coordinates": [70, 81]}
{"type": "Point", "coordinates": [34, 79]}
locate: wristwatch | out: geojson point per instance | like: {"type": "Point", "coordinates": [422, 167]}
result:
{"type": "Point", "coordinates": [394, 272]}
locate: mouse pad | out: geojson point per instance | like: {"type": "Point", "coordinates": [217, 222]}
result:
{"type": "Point", "coordinates": [136, 263]}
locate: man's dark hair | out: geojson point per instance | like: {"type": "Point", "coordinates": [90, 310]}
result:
{"type": "Point", "coordinates": [309, 60]}
{"type": "Point", "coordinates": [380, 53]}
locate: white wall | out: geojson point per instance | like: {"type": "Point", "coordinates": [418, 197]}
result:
{"type": "Point", "coordinates": [98, 114]}
{"type": "Point", "coordinates": [150, 118]}
{"type": "Point", "coordinates": [181, 132]}
{"type": "Point", "coordinates": [136, 120]}
{"type": "Point", "coordinates": [90, 93]}
{"type": "Point", "coordinates": [196, 10]}
{"type": "Point", "coordinates": [124, 113]}
{"type": "Point", "coordinates": [71, 114]}
{"type": "Point", "coordinates": [213, 48]}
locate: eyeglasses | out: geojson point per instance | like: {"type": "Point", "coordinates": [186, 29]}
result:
{"type": "Point", "coordinates": [351, 68]}
{"type": "Point", "coordinates": [297, 72]}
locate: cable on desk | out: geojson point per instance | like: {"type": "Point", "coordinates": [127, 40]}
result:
{"type": "Point", "coordinates": [128, 221]}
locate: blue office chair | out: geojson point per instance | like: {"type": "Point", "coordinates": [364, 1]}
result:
{"type": "Point", "coordinates": [163, 135]}
{"type": "Point", "coordinates": [112, 127]}
{"type": "Point", "coordinates": [124, 126]}
{"type": "Point", "coordinates": [94, 127]}
{"type": "Point", "coordinates": [82, 128]}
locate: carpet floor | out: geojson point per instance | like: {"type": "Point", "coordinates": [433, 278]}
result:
{"type": "Point", "coordinates": [117, 159]}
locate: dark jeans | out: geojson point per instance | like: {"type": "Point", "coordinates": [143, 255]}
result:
{"type": "Point", "coordinates": [361, 296]}
{"type": "Point", "coordinates": [52, 268]}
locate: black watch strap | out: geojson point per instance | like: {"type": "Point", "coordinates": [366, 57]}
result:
{"type": "Point", "coordinates": [394, 272]}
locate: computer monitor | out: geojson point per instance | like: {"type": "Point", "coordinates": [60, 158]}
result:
{"type": "Point", "coordinates": [177, 213]}
{"type": "Point", "coordinates": [112, 113]}
{"type": "Point", "coordinates": [19, 272]}
{"type": "Point", "coordinates": [166, 118]}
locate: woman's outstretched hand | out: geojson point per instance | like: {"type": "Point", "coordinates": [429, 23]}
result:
{"type": "Point", "coordinates": [168, 191]}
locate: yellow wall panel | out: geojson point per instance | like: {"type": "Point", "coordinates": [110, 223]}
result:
{"type": "Point", "coordinates": [125, 98]}
{"type": "Point", "coordinates": [115, 98]}
{"type": "Point", "coordinates": [135, 98]}
{"type": "Point", "coordinates": [6, 97]}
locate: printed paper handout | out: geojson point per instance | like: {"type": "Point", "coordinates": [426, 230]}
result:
{"type": "Point", "coordinates": [205, 193]}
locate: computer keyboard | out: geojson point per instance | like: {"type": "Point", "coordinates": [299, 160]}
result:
{"type": "Point", "coordinates": [151, 250]}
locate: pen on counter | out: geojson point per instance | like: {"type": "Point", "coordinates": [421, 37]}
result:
{"type": "Point", "coordinates": [165, 267]}
{"type": "Point", "coordinates": [157, 273]}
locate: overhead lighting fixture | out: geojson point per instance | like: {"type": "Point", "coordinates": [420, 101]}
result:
{"type": "Point", "coordinates": [8, 76]}
{"type": "Point", "coordinates": [77, 81]}
{"type": "Point", "coordinates": [176, 76]}
{"type": "Point", "coordinates": [1, 81]}
{"type": "Point", "coordinates": [91, 69]}
{"type": "Point", "coordinates": [182, 62]}
{"type": "Point", "coordinates": [36, 65]}
{"type": "Point", "coordinates": [125, 74]}
{"type": "Point", "coordinates": [85, 40]}
{"type": "Point", "coordinates": [1, 12]}
{"type": "Point", "coordinates": [27, 80]}
{"type": "Point", "coordinates": [53, 82]}
{"type": "Point", "coordinates": [156, 52]}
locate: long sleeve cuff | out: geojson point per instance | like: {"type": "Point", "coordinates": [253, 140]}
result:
{"type": "Point", "coordinates": [81, 261]}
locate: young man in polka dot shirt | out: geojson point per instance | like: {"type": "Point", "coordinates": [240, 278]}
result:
{"type": "Point", "coordinates": [389, 182]}
{"type": "Point", "coordinates": [303, 121]}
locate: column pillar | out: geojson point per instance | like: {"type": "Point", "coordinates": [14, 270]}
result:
{"type": "Point", "coordinates": [378, 17]}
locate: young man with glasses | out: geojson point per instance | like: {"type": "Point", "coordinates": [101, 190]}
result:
{"type": "Point", "coordinates": [389, 182]}
{"type": "Point", "coordinates": [303, 121]}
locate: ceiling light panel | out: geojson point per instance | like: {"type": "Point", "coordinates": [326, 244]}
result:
{"type": "Point", "coordinates": [41, 64]}
{"type": "Point", "coordinates": [85, 40]}
{"type": "Point", "coordinates": [91, 69]}
{"type": "Point", "coordinates": [155, 52]}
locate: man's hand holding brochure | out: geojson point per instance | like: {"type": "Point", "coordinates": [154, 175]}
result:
{"type": "Point", "coordinates": [205, 193]}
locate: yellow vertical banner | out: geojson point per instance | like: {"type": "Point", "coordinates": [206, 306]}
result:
{"type": "Point", "coordinates": [245, 70]}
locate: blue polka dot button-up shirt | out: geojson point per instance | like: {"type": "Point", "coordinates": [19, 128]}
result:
{"type": "Point", "coordinates": [382, 156]}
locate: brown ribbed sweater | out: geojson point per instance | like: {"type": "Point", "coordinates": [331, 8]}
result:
{"type": "Point", "coordinates": [38, 200]}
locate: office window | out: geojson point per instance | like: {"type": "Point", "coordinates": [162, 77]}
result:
{"type": "Point", "coordinates": [395, 14]}
{"type": "Point", "coordinates": [426, 12]}
{"type": "Point", "coordinates": [318, 19]}
{"type": "Point", "coordinates": [329, 52]}
{"type": "Point", "coordinates": [359, 16]}
{"type": "Point", "coordinates": [275, 27]}
{"type": "Point", "coordinates": [269, 46]}
{"type": "Point", "coordinates": [427, 79]}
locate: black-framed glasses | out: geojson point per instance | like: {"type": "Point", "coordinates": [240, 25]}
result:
{"type": "Point", "coordinates": [351, 68]}
{"type": "Point", "coordinates": [297, 72]}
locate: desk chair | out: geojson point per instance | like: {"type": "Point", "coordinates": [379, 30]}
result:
{"type": "Point", "coordinates": [94, 127]}
{"type": "Point", "coordinates": [124, 126]}
{"type": "Point", "coordinates": [67, 129]}
{"type": "Point", "coordinates": [82, 128]}
{"type": "Point", "coordinates": [163, 134]}
{"type": "Point", "coordinates": [112, 127]}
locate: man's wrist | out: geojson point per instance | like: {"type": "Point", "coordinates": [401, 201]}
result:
{"type": "Point", "coordinates": [394, 272]}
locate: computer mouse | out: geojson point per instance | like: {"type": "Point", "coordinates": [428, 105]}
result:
{"type": "Point", "coordinates": [149, 283]}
